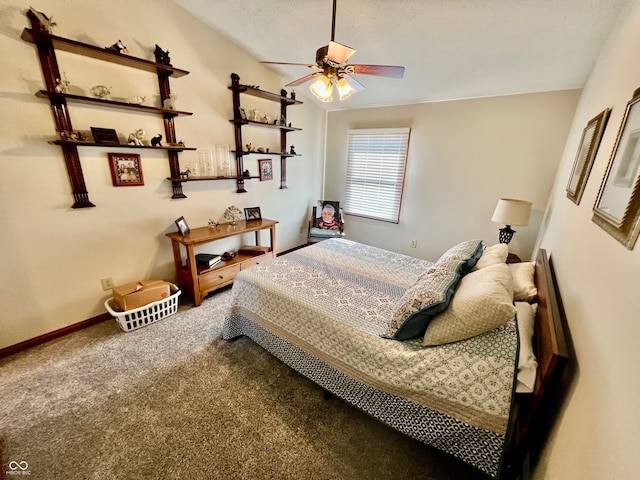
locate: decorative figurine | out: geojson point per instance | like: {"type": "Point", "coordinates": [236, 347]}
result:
{"type": "Point", "coordinates": [292, 150]}
{"type": "Point", "coordinates": [185, 175]}
{"type": "Point", "coordinates": [249, 147]}
{"type": "Point", "coordinates": [293, 95]}
{"type": "Point", "coordinates": [266, 119]}
{"type": "Point", "coordinates": [136, 99]}
{"type": "Point", "coordinates": [213, 223]}
{"type": "Point", "coordinates": [232, 214]}
{"type": "Point", "coordinates": [75, 136]}
{"type": "Point", "coordinates": [260, 150]}
{"type": "Point", "coordinates": [46, 23]}
{"type": "Point", "coordinates": [162, 56]}
{"type": "Point", "coordinates": [246, 173]}
{"type": "Point", "coordinates": [283, 121]}
{"type": "Point", "coordinates": [283, 93]}
{"type": "Point", "coordinates": [156, 141]}
{"type": "Point", "coordinates": [170, 103]}
{"type": "Point", "coordinates": [254, 115]}
{"type": "Point", "coordinates": [136, 138]}
{"type": "Point", "coordinates": [62, 85]}
{"type": "Point", "coordinates": [100, 91]}
{"type": "Point", "coordinates": [118, 47]}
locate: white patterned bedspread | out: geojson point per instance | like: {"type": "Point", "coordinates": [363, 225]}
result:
{"type": "Point", "coordinates": [332, 300]}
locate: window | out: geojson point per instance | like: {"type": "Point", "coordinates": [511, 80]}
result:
{"type": "Point", "coordinates": [376, 160]}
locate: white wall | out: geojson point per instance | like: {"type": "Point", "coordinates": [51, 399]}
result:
{"type": "Point", "coordinates": [463, 156]}
{"type": "Point", "coordinates": [52, 256]}
{"type": "Point", "coordinates": [599, 279]}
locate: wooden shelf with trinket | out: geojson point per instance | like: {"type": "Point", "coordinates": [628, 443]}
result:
{"type": "Point", "coordinates": [47, 44]}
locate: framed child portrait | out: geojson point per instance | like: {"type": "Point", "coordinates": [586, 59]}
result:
{"type": "Point", "coordinates": [126, 169]}
{"type": "Point", "coordinates": [266, 169]}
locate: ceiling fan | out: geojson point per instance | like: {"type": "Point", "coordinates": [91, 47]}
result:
{"type": "Point", "coordinates": [331, 65]}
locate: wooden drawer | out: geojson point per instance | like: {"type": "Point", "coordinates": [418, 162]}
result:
{"type": "Point", "coordinates": [218, 278]}
{"type": "Point", "coordinates": [250, 262]}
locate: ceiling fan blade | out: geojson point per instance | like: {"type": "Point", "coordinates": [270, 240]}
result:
{"type": "Point", "coordinates": [287, 63]}
{"type": "Point", "coordinates": [300, 81]}
{"type": "Point", "coordinates": [339, 53]}
{"type": "Point", "coordinates": [379, 70]}
{"type": "Point", "coordinates": [358, 87]}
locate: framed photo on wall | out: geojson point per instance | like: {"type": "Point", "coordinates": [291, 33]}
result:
{"type": "Point", "coordinates": [126, 170]}
{"type": "Point", "coordinates": [266, 169]}
{"type": "Point", "coordinates": [591, 136]}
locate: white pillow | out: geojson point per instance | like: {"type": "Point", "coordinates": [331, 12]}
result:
{"type": "Point", "coordinates": [482, 302]}
{"type": "Point", "coordinates": [524, 287]}
{"type": "Point", "coordinates": [492, 255]}
{"type": "Point", "coordinates": [527, 363]}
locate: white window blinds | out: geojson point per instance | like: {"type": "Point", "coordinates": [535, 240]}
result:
{"type": "Point", "coordinates": [376, 160]}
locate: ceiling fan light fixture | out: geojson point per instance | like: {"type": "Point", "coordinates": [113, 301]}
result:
{"type": "Point", "coordinates": [344, 88]}
{"type": "Point", "coordinates": [322, 88]}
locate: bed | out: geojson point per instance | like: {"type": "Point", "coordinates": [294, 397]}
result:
{"type": "Point", "coordinates": [353, 318]}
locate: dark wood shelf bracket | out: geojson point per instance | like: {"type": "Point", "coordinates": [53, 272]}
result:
{"type": "Point", "coordinates": [46, 44]}
{"type": "Point", "coordinates": [238, 122]}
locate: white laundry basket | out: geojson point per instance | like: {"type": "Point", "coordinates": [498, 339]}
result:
{"type": "Point", "coordinates": [152, 312]}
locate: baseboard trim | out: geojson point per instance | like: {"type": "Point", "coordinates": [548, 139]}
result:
{"type": "Point", "coordinates": [61, 332]}
{"type": "Point", "coordinates": [32, 342]}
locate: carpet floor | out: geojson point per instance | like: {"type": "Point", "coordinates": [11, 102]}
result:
{"type": "Point", "coordinates": [172, 400]}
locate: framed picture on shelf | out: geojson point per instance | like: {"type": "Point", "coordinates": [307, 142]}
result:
{"type": "Point", "coordinates": [126, 170]}
{"type": "Point", "coordinates": [591, 136]}
{"type": "Point", "coordinates": [252, 213]}
{"type": "Point", "coordinates": [266, 169]}
{"type": "Point", "coordinates": [183, 228]}
{"type": "Point", "coordinates": [105, 136]}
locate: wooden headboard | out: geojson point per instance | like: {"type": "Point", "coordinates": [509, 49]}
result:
{"type": "Point", "coordinates": [550, 342]}
{"type": "Point", "coordinates": [552, 355]}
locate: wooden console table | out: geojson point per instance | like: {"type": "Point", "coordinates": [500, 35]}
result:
{"type": "Point", "coordinates": [199, 281]}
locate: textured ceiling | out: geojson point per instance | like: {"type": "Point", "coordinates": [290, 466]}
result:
{"type": "Point", "coordinates": [451, 49]}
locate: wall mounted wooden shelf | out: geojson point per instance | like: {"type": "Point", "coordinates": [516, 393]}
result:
{"type": "Point", "coordinates": [238, 122]}
{"type": "Point", "coordinates": [47, 44]}
{"type": "Point", "coordinates": [110, 103]}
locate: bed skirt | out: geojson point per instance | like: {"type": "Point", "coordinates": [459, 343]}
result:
{"type": "Point", "coordinates": [479, 448]}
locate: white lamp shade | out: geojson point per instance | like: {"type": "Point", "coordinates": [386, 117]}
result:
{"type": "Point", "coordinates": [512, 212]}
{"type": "Point", "coordinates": [344, 88]}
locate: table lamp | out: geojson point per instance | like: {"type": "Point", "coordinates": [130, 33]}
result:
{"type": "Point", "coordinates": [510, 211]}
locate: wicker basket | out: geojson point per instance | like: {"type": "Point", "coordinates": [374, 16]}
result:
{"type": "Point", "coordinates": [152, 312]}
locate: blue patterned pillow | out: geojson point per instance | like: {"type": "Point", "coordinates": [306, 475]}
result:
{"type": "Point", "coordinates": [429, 296]}
{"type": "Point", "coordinates": [469, 251]}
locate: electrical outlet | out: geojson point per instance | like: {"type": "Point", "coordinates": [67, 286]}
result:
{"type": "Point", "coordinates": [413, 243]}
{"type": "Point", "coordinates": [107, 283]}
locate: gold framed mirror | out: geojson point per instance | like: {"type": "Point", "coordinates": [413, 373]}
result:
{"type": "Point", "coordinates": [589, 143]}
{"type": "Point", "coordinates": [617, 207]}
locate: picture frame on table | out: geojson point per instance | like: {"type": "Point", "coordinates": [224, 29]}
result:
{"type": "Point", "coordinates": [252, 213]}
{"type": "Point", "coordinates": [589, 143]}
{"type": "Point", "coordinates": [266, 169]}
{"type": "Point", "coordinates": [183, 227]}
{"type": "Point", "coordinates": [126, 169]}
{"type": "Point", "coordinates": [105, 136]}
